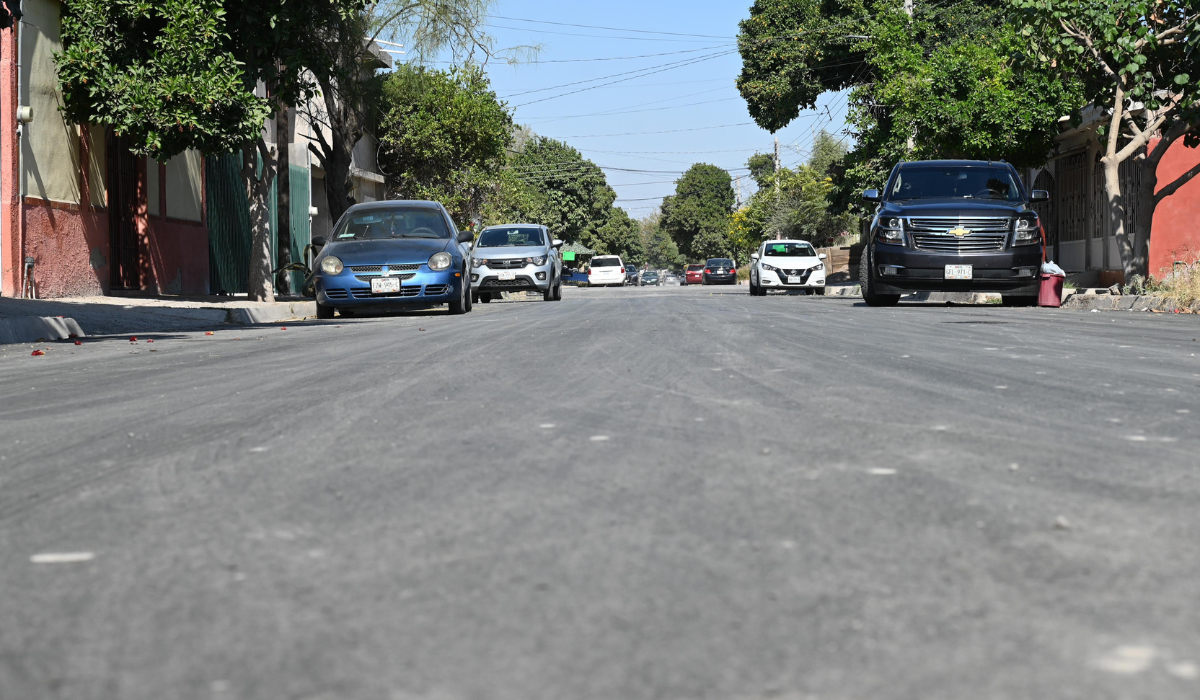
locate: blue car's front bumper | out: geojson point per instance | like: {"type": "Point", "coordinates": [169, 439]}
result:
{"type": "Point", "coordinates": [424, 287]}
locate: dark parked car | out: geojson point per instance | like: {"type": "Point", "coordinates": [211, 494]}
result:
{"type": "Point", "coordinates": [953, 226]}
{"type": "Point", "coordinates": [631, 275]}
{"type": "Point", "coordinates": [720, 271]}
{"type": "Point", "coordinates": [648, 278]}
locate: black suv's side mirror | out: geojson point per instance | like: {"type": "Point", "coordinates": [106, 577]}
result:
{"type": "Point", "coordinates": [319, 242]}
{"type": "Point", "coordinates": [871, 195]}
{"type": "Point", "coordinates": [1039, 196]}
{"type": "Point", "coordinates": [465, 237]}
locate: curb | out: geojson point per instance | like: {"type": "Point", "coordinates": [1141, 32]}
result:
{"type": "Point", "coordinates": [271, 313]}
{"type": "Point", "coordinates": [32, 329]}
{"type": "Point", "coordinates": [1126, 302]}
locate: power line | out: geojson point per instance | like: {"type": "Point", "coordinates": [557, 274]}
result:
{"type": "Point", "coordinates": [648, 133]}
{"type": "Point", "coordinates": [612, 29]}
{"type": "Point", "coordinates": [603, 36]}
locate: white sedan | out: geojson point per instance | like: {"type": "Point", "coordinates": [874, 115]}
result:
{"type": "Point", "coordinates": [787, 265]}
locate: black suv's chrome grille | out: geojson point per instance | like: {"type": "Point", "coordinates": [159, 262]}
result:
{"type": "Point", "coordinates": [379, 268]}
{"type": "Point", "coordinates": [975, 235]}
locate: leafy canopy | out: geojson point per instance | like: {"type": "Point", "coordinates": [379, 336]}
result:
{"type": "Point", "coordinates": [696, 216]}
{"type": "Point", "coordinates": [444, 136]}
{"type": "Point", "coordinates": [180, 74]}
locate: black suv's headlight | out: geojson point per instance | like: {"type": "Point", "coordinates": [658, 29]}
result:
{"type": "Point", "coordinates": [1027, 232]}
{"type": "Point", "coordinates": [891, 230]}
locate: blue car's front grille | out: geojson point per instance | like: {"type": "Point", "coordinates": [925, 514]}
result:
{"type": "Point", "coordinates": [391, 268]}
{"type": "Point", "coordinates": [434, 290]}
{"type": "Point", "coordinates": [335, 293]}
{"type": "Point", "coordinates": [368, 278]}
{"type": "Point", "coordinates": [365, 293]}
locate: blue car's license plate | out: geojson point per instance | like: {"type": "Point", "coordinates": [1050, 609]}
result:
{"type": "Point", "coordinates": [385, 285]}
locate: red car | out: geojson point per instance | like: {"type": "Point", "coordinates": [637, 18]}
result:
{"type": "Point", "coordinates": [694, 274]}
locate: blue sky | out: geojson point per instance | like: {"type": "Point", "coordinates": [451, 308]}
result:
{"type": "Point", "coordinates": [680, 94]}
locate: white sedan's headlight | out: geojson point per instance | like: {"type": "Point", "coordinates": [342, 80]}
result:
{"type": "Point", "coordinates": [331, 265]}
{"type": "Point", "coordinates": [440, 261]}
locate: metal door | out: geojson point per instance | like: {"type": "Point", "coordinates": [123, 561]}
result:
{"type": "Point", "coordinates": [122, 211]}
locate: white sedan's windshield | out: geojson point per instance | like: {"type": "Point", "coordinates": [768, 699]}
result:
{"type": "Point", "coordinates": [790, 250]}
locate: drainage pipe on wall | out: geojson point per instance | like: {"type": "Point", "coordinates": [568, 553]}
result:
{"type": "Point", "coordinates": [19, 26]}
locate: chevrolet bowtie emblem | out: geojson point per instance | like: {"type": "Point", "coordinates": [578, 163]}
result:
{"type": "Point", "coordinates": [959, 232]}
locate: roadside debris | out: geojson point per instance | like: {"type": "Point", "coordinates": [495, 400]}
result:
{"type": "Point", "coordinates": [37, 353]}
{"type": "Point", "coordinates": [1061, 523]}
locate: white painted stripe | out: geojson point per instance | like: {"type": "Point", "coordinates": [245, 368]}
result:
{"type": "Point", "coordinates": [61, 557]}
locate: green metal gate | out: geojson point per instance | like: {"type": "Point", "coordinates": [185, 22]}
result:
{"type": "Point", "coordinates": [228, 225]}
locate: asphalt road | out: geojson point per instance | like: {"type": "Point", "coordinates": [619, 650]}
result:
{"type": "Point", "coordinates": [634, 493]}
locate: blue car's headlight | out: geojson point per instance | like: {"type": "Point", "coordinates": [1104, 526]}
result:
{"type": "Point", "coordinates": [331, 265]}
{"type": "Point", "coordinates": [440, 261]}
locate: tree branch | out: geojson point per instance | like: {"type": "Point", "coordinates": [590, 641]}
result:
{"type": "Point", "coordinates": [1087, 40]}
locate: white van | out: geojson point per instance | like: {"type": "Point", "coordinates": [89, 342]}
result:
{"type": "Point", "coordinates": [606, 271]}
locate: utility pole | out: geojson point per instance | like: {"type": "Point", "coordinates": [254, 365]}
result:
{"type": "Point", "coordinates": [912, 138]}
{"type": "Point", "coordinates": [777, 164]}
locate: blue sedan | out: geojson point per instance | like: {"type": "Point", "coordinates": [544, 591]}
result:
{"type": "Point", "coordinates": [387, 256]}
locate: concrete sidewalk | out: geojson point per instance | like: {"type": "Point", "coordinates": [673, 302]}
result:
{"type": "Point", "coordinates": [28, 320]}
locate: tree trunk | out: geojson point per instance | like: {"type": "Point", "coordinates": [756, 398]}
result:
{"type": "Point", "coordinates": [345, 132]}
{"type": "Point", "coordinates": [283, 281]}
{"type": "Point", "coordinates": [258, 191]}
{"type": "Point", "coordinates": [1116, 214]}
{"type": "Point", "coordinates": [1144, 221]}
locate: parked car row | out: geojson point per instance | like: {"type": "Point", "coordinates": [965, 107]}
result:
{"type": "Point", "coordinates": [394, 255]}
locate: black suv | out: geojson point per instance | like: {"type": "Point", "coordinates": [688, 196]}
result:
{"type": "Point", "coordinates": [953, 226]}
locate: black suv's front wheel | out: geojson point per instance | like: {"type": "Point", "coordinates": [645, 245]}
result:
{"type": "Point", "coordinates": [866, 280]}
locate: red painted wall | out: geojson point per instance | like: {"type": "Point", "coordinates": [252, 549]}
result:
{"type": "Point", "coordinates": [70, 247]}
{"type": "Point", "coordinates": [10, 209]}
{"type": "Point", "coordinates": [1176, 235]}
{"type": "Point", "coordinates": [175, 257]}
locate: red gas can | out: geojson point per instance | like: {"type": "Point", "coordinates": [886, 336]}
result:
{"type": "Point", "coordinates": [1050, 293]}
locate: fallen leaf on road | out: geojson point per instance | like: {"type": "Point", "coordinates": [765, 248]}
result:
{"type": "Point", "coordinates": [209, 333]}
{"type": "Point", "coordinates": [79, 342]}
{"type": "Point", "coordinates": [133, 338]}
{"type": "Point", "coordinates": [599, 438]}
{"type": "Point", "coordinates": [420, 329]}
{"type": "Point", "coordinates": [284, 328]}
{"type": "Point", "coordinates": [150, 340]}
{"type": "Point", "coordinates": [37, 353]}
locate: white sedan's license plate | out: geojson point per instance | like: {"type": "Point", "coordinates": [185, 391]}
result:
{"type": "Point", "coordinates": [959, 272]}
{"type": "Point", "coordinates": [795, 280]}
{"type": "Point", "coordinates": [385, 285]}
{"type": "Point", "coordinates": [507, 275]}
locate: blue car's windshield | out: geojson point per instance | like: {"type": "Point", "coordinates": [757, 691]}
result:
{"type": "Point", "coordinates": [401, 222]}
{"type": "Point", "coordinates": [955, 182]}
{"type": "Point", "coordinates": [511, 238]}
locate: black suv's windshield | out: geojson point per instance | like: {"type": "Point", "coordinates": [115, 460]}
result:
{"type": "Point", "coordinates": [511, 238]}
{"type": "Point", "coordinates": [790, 250]}
{"type": "Point", "coordinates": [955, 182]}
{"type": "Point", "coordinates": [401, 222]}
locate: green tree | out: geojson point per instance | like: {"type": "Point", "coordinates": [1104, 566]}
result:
{"type": "Point", "coordinates": [826, 153]}
{"type": "Point", "coordinates": [660, 250]}
{"type": "Point", "coordinates": [1139, 62]}
{"type": "Point", "coordinates": [621, 235]}
{"type": "Point", "coordinates": [947, 82]}
{"type": "Point", "coordinates": [444, 136]}
{"type": "Point", "coordinates": [184, 74]}
{"type": "Point", "coordinates": [697, 215]}
{"type": "Point", "coordinates": [567, 192]}
{"type": "Point", "coordinates": [762, 168]}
